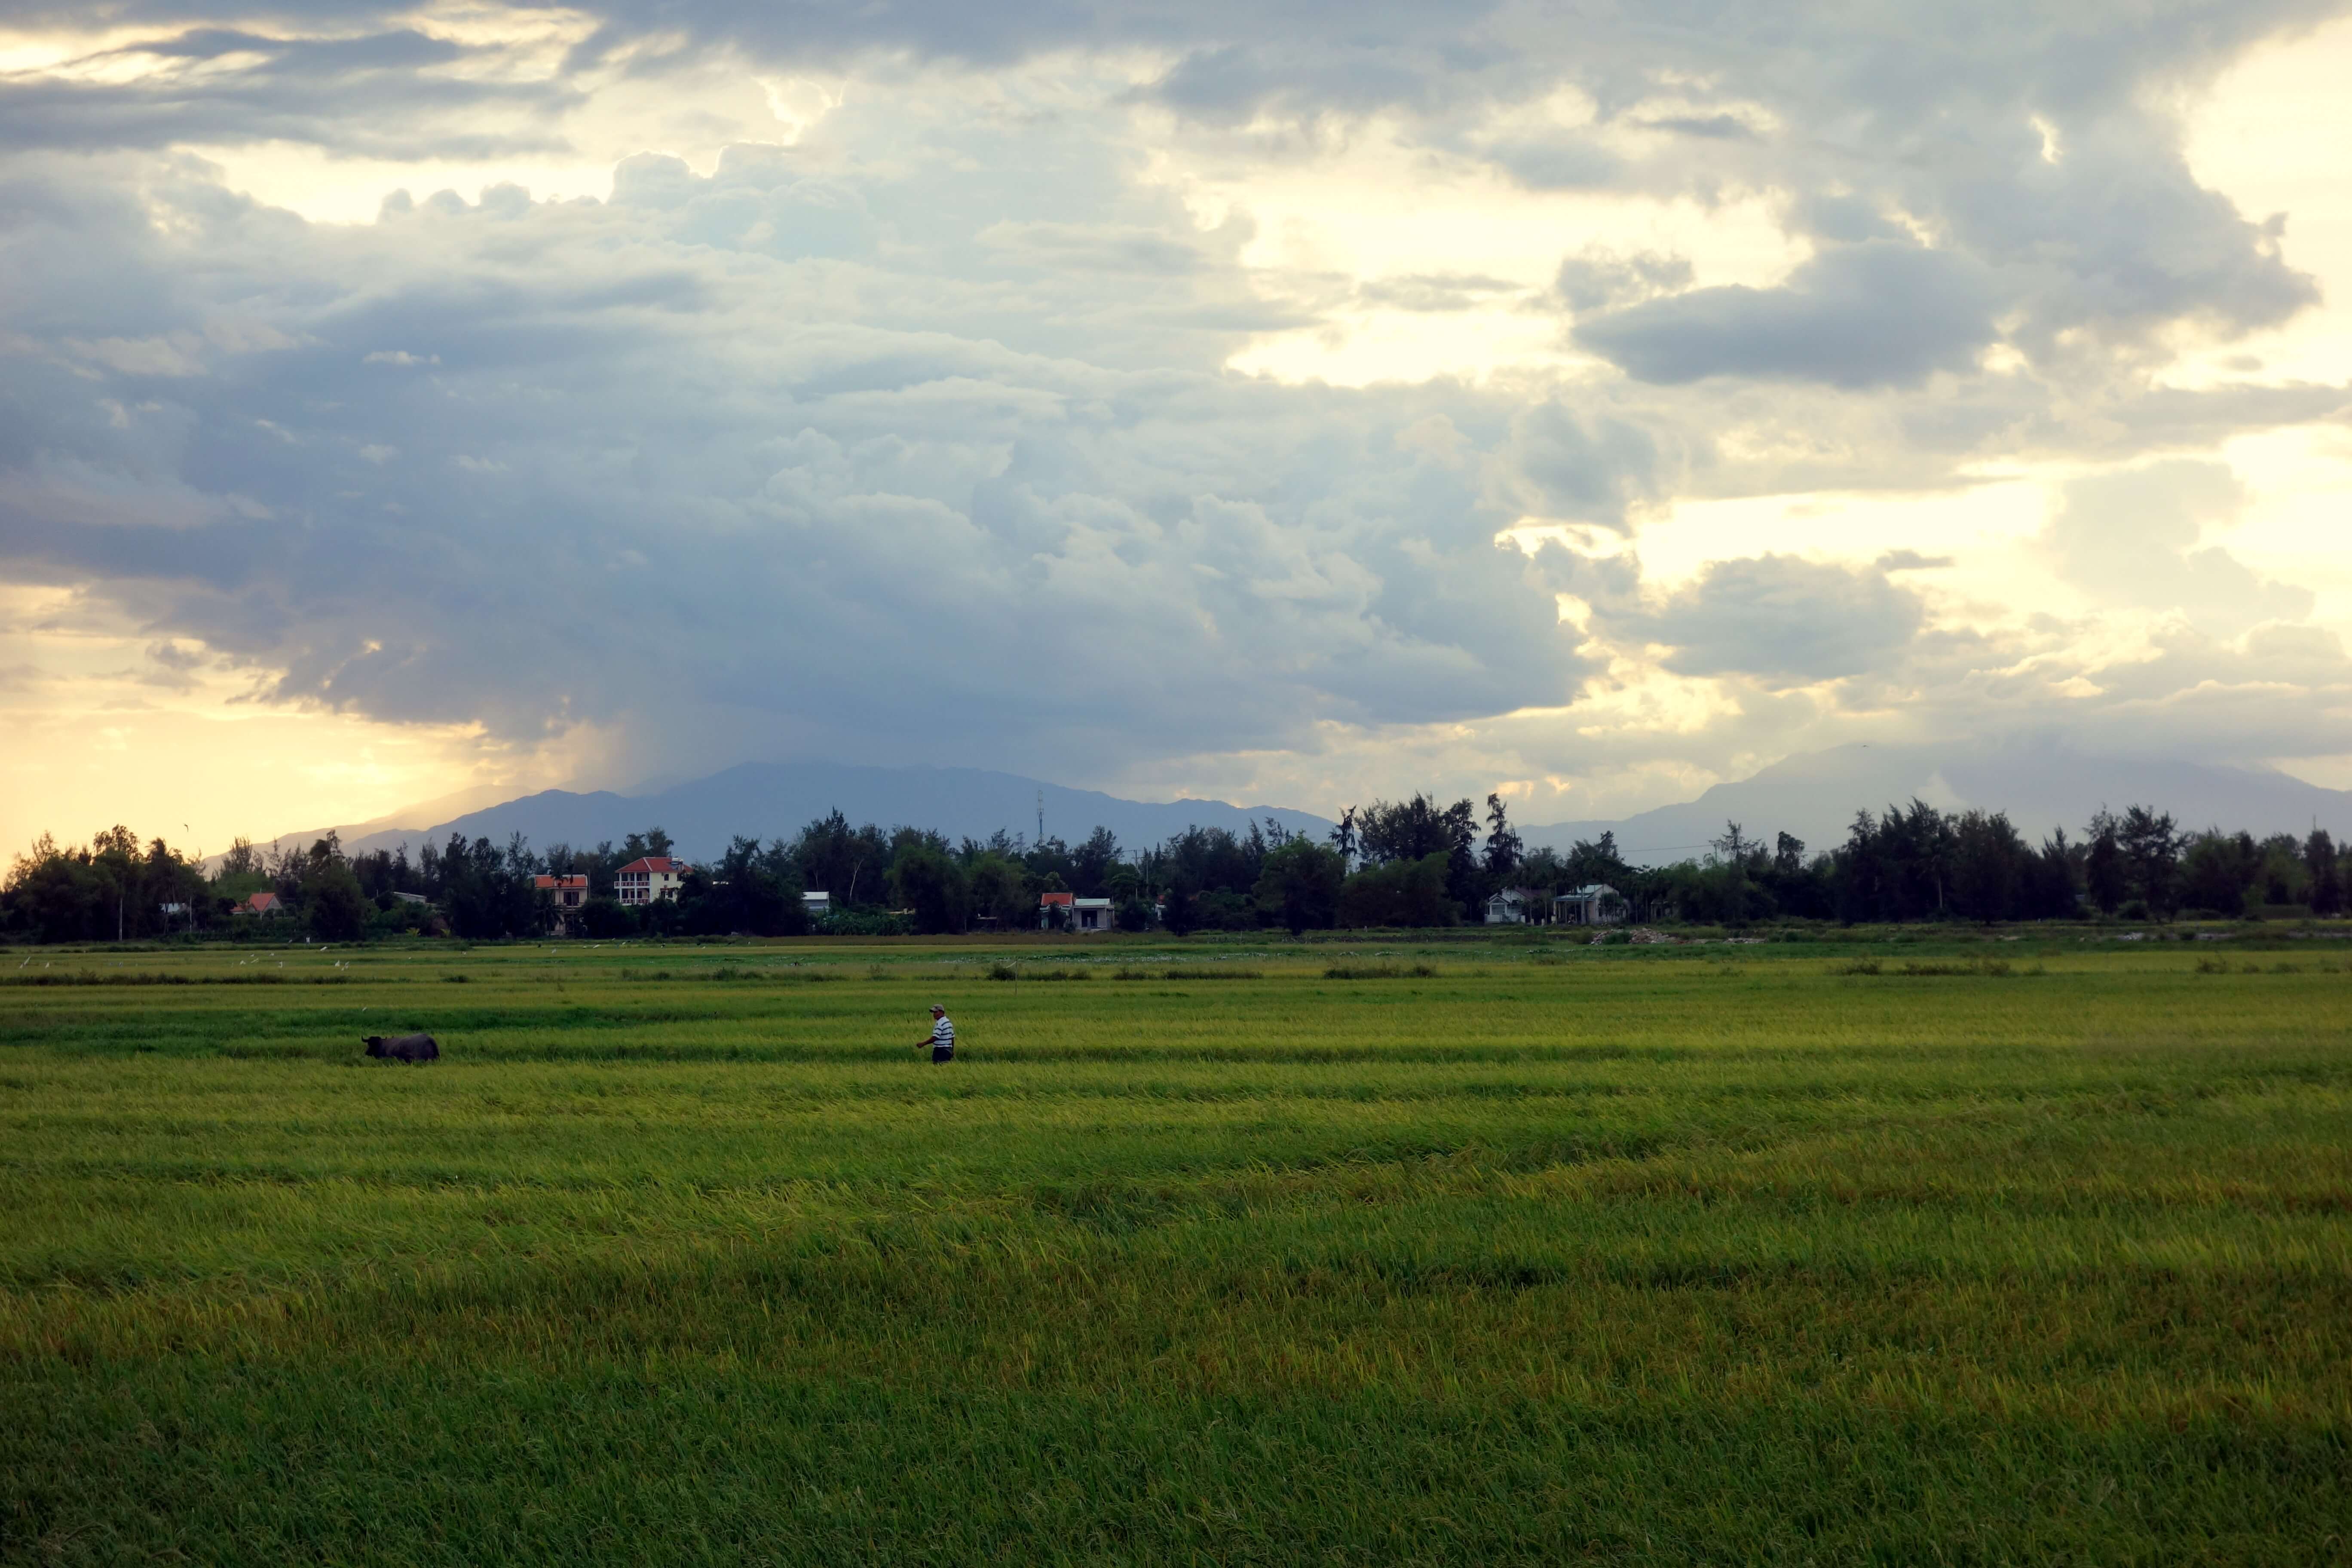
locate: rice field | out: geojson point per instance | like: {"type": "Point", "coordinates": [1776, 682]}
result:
{"type": "Point", "coordinates": [1356, 1252]}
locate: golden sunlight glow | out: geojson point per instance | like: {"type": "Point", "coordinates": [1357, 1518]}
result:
{"type": "Point", "coordinates": [106, 725]}
{"type": "Point", "coordinates": [2298, 521]}
{"type": "Point", "coordinates": [2271, 138]}
{"type": "Point", "coordinates": [1365, 347]}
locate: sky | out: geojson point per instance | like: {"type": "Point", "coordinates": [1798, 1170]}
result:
{"type": "Point", "coordinates": [1288, 403]}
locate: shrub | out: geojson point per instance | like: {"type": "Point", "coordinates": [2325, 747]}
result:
{"type": "Point", "coordinates": [1189, 975]}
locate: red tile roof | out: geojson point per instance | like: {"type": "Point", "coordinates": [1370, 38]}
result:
{"type": "Point", "coordinates": [1064, 899]}
{"type": "Point", "coordinates": [661, 863]}
{"type": "Point", "coordinates": [549, 884]}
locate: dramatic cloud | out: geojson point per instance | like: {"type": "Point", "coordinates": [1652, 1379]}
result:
{"type": "Point", "coordinates": [397, 93]}
{"type": "Point", "coordinates": [466, 478]}
{"type": "Point", "coordinates": [880, 402]}
{"type": "Point", "coordinates": [1785, 619]}
{"type": "Point", "coordinates": [1869, 315]}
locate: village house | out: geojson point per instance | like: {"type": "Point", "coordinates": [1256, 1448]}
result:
{"type": "Point", "coordinates": [816, 906]}
{"type": "Point", "coordinates": [1076, 913]}
{"type": "Point", "coordinates": [1515, 907]}
{"type": "Point", "coordinates": [1593, 904]}
{"type": "Point", "coordinates": [649, 880]}
{"type": "Point", "coordinates": [568, 893]}
{"type": "Point", "coordinates": [261, 904]}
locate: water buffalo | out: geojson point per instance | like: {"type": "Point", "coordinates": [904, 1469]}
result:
{"type": "Point", "coordinates": [405, 1048]}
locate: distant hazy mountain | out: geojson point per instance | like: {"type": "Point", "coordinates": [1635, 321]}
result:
{"type": "Point", "coordinates": [776, 800]}
{"type": "Point", "coordinates": [2041, 785]}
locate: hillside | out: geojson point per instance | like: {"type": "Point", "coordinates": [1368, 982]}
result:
{"type": "Point", "coordinates": [776, 800]}
{"type": "Point", "coordinates": [2040, 784]}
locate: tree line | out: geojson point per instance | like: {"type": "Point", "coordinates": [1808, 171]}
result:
{"type": "Point", "coordinates": [1410, 863]}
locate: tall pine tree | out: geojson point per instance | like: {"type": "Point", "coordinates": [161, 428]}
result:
{"type": "Point", "coordinates": [2326, 886]}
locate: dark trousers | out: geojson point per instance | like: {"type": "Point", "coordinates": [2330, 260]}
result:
{"type": "Point", "coordinates": [942, 1053]}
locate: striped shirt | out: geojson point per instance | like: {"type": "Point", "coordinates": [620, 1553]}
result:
{"type": "Point", "coordinates": [942, 1033]}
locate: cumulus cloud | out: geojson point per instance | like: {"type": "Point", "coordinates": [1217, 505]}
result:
{"type": "Point", "coordinates": [1866, 315]}
{"type": "Point", "coordinates": [1557, 463]}
{"type": "Point", "coordinates": [2273, 693]}
{"type": "Point", "coordinates": [1784, 620]}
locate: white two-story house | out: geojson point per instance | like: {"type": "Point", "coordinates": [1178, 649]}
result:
{"type": "Point", "coordinates": [649, 880]}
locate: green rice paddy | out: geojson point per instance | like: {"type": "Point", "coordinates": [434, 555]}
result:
{"type": "Point", "coordinates": [1361, 1252]}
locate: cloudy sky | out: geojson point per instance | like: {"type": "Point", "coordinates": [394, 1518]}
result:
{"type": "Point", "coordinates": [1274, 402]}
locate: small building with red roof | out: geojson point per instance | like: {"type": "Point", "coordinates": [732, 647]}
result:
{"type": "Point", "coordinates": [569, 892]}
{"type": "Point", "coordinates": [566, 893]}
{"type": "Point", "coordinates": [1074, 913]}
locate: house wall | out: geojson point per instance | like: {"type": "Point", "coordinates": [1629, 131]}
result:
{"type": "Point", "coordinates": [645, 886]}
{"type": "Point", "coordinates": [1080, 919]}
{"type": "Point", "coordinates": [1590, 912]}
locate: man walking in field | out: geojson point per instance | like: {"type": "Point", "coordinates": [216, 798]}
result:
{"type": "Point", "coordinates": [942, 1040]}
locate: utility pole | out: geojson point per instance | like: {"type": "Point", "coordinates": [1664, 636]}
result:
{"type": "Point", "coordinates": [1041, 816]}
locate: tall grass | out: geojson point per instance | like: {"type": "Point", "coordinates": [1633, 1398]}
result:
{"type": "Point", "coordinates": [1614, 1258]}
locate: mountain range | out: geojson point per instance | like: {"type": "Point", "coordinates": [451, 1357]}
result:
{"type": "Point", "coordinates": [2042, 784]}
{"type": "Point", "coordinates": [776, 800]}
